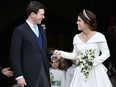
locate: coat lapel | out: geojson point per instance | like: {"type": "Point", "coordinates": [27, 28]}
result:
{"type": "Point", "coordinates": [32, 36]}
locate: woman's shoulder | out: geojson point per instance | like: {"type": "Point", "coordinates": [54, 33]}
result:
{"type": "Point", "coordinates": [76, 39]}
{"type": "Point", "coordinates": [76, 35]}
{"type": "Point", "coordinates": [98, 37]}
{"type": "Point", "coordinates": [99, 33]}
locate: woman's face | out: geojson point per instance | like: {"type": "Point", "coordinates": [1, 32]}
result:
{"type": "Point", "coordinates": [81, 24]}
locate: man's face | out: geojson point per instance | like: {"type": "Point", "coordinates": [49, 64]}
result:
{"type": "Point", "coordinates": [39, 16]}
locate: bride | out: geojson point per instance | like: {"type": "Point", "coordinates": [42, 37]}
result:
{"type": "Point", "coordinates": [91, 50]}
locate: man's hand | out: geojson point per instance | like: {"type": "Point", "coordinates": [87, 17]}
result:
{"type": "Point", "coordinates": [21, 82]}
{"type": "Point", "coordinates": [55, 58]}
{"type": "Point", "coordinates": [7, 72]}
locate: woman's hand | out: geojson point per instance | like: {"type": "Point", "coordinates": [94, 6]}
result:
{"type": "Point", "coordinates": [56, 52]}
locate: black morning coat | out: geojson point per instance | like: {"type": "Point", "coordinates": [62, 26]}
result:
{"type": "Point", "coordinates": [26, 54]}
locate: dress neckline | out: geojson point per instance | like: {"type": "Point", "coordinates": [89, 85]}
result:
{"type": "Point", "coordinates": [88, 39]}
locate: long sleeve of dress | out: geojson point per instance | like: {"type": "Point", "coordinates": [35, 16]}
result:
{"type": "Point", "coordinates": [69, 55]}
{"type": "Point", "coordinates": [104, 52]}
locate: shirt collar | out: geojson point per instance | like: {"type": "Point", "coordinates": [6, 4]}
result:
{"type": "Point", "coordinates": [30, 24]}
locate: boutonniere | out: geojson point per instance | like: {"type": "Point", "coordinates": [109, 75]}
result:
{"type": "Point", "coordinates": [43, 27]}
{"type": "Point", "coordinates": [85, 61]}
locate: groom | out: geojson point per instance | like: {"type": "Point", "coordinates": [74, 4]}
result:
{"type": "Point", "coordinates": [29, 53]}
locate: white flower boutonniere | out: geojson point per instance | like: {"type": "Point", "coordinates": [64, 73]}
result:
{"type": "Point", "coordinates": [85, 61]}
{"type": "Point", "coordinates": [43, 27]}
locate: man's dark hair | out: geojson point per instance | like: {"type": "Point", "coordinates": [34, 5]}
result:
{"type": "Point", "coordinates": [34, 6]}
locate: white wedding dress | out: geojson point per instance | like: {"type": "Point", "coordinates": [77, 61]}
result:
{"type": "Point", "coordinates": [98, 75]}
